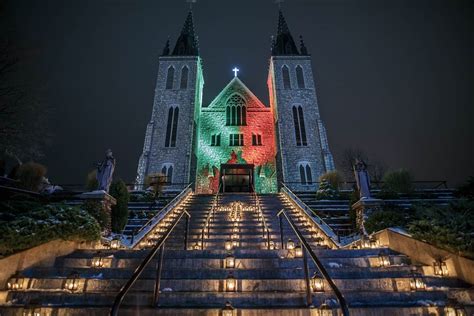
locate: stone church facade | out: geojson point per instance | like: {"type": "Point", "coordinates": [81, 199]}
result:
{"type": "Point", "coordinates": [236, 143]}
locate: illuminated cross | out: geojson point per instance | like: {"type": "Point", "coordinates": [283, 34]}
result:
{"type": "Point", "coordinates": [235, 70]}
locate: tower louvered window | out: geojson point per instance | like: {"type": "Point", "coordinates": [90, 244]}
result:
{"type": "Point", "coordinates": [300, 130]}
{"type": "Point", "coordinates": [184, 78]}
{"type": "Point", "coordinates": [305, 173]}
{"type": "Point", "coordinates": [300, 77]}
{"type": "Point", "coordinates": [286, 77]}
{"type": "Point", "coordinates": [236, 111]}
{"type": "Point", "coordinates": [236, 140]}
{"type": "Point", "coordinates": [172, 127]}
{"type": "Point", "coordinates": [170, 78]}
{"type": "Point", "coordinates": [216, 140]}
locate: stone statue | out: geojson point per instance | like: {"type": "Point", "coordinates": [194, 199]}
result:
{"type": "Point", "coordinates": [105, 170]}
{"type": "Point", "coordinates": [362, 179]}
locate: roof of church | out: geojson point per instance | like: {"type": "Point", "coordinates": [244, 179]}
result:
{"type": "Point", "coordinates": [236, 86]}
{"type": "Point", "coordinates": [187, 43]}
{"type": "Point", "coordinates": [284, 43]}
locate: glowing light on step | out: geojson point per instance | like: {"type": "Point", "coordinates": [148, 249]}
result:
{"type": "Point", "coordinates": [325, 309]}
{"type": "Point", "coordinates": [228, 310]}
{"type": "Point", "coordinates": [384, 260]}
{"type": "Point", "coordinates": [115, 244]}
{"type": "Point", "coordinates": [72, 283]}
{"type": "Point", "coordinates": [97, 262]}
{"type": "Point", "coordinates": [298, 251]}
{"type": "Point", "coordinates": [290, 244]}
{"type": "Point", "coordinates": [317, 283]}
{"type": "Point", "coordinates": [15, 283]}
{"type": "Point", "coordinates": [234, 236]}
{"type": "Point", "coordinates": [228, 244]}
{"type": "Point", "coordinates": [417, 284]}
{"type": "Point", "coordinates": [440, 268]}
{"type": "Point", "coordinates": [453, 309]}
{"type": "Point", "coordinates": [196, 246]}
{"type": "Point", "coordinates": [272, 245]}
{"type": "Point", "coordinates": [230, 283]}
{"type": "Point", "coordinates": [229, 261]}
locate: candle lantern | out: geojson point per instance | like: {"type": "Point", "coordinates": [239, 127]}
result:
{"type": "Point", "coordinates": [290, 244]}
{"type": "Point", "coordinates": [97, 262]}
{"type": "Point", "coordinates": [230, 283]}
{"type": "Point", "coordinates": [272, 245]}
{"type": "Point", "coordinates": [317, 283]}
{"type": "Point", "coordinates": [228, 244]}
{"type": "Point", "coordinates": [384, 260]}
{"type": "Point", "coordinates": [298, 251]}
{"type": "Point", "coordinates": [228, 310]}
{"type": "Point", "coordinates": [325, 310]}
{"type": "Point", "coordinates": [72, 282]}
{"type": "Point", "coordinates": [453, 309]}
{"type": "Point", "coordinates": [417, 283]}
{"type": "Point", "coordinates": [196, 246]}
{"type": "Point", "coordinates": [234, 236]}
{"type": "Point", "coordinates": [229, 261]}
{"type": "Point", "coordinates": [15, 283]}
{"type": "Point", "coordinates": [440, 268]}
{"type": "Point", "coordinates": [115, 244]}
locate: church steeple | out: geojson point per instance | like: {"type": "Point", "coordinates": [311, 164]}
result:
{"type": "Point", "coordinates": [284, 43]}
{"type": "Point", "coordinates": [187, 45]}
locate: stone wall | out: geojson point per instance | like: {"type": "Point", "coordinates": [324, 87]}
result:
{"type": "Point", "coordinates": [43, 255]}
{"type": "Point", "coordinates": [155, 154]}
{"type": "Point", "coordinates": [424, 253]}
{"type": "Point", "coordinates": [283, 101]}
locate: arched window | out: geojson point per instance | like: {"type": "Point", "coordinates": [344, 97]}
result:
{"type": "Point", "coordinates": [300, 130]}
{"type": "Point", "coordinates": [309, 177]}
{"type": "Point", "coordinates": [167, 171]}
{"type": "Point", "coordinates": [184, 77]}
{"type": "Point", "coordinates": [302, 175]}
{"type": "Point", "coordinates": [305, 173]}
{"type": "Point", "coordinates": [227, 115]}
{"type": "Point", "coordinates": [172, 127]}
{"type": "Point", "coordinates": [300, 77]}
{"type": "Point", "coordinates": [236, 111]}
{"type": "Point", "coordinates": [170, 78]}
{"type": "Point", "coordinates": [286, 77]}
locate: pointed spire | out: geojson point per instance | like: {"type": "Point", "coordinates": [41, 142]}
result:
{"type": "Point", "coordinates": [166, 49]}
{"type": "Point", "coordinates": [284, 44]}
{"type": "Point", "coordinates": [303, 49]}
{"type": "Point", "coordinates": [186, 45]}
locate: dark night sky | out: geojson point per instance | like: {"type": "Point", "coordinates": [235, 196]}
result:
{"type": "Point", "coordinates": [394, 78]}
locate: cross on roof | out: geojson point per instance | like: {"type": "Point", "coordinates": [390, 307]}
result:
{"type": "Point", "coordinates": [235, 70]}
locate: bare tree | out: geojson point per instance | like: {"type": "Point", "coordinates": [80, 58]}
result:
{"type": "Point", "coordinates": [348, 157]}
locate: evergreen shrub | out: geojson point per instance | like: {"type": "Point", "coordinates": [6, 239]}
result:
{"type": "Point", "coordinates": [119, 191]}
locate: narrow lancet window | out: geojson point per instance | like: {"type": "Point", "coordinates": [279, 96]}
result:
{"type": "Point", "coordinates": [300, 77]}
{"type": "Point", "coordinates": [170, 78]}
{"type": "Point", "coordinates": [184, 77]}
{"type": "Point", "coordinates": [286, 77]}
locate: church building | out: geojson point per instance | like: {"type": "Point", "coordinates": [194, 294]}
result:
{"type": "Point", "coordinates": [236, 143]}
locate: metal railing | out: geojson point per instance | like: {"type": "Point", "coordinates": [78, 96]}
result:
{"type": "Point", "coordinates": [318, 221]}
{"type": "Point", "coordinates": [160, 246]}
{"type": "Point", "coordinates": [145, 229]}
{"type": "Point", "coordinates": [210, 215]}
{"type": "Point", "coordinates": [307, 250]}
{"type": "Point", "coordinates": [258, 207]}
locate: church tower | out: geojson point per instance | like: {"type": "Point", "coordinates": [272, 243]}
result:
{"type": "Point", "coordinates": [302, 148]}
{"type": "Point", "coordinates": [170, 135]}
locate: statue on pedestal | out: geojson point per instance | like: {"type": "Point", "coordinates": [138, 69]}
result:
{"type": "Point", "coordinates": [362, 179]}
{"type": "Point", "coordinates": [105, 171]}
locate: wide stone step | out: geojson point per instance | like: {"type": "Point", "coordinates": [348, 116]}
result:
{"type": "Point", "coordinates": [238, 299]}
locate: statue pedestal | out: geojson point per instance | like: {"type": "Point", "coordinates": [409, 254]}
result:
{"type": "Point", "coordinates": [364, 208]}
{"type": "Point", "coordinates": [106, 202]}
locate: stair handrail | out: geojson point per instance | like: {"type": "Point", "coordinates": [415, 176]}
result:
{"type": "Point", "coordinates": [318, 263]}
{"type": "Point", "coordinates": [138, 271]}
{"type": "Point", "coordinates": [214, 208]}
{"type": "Point", "coordinates": [319, 222]}
{"type": "Point", "coordinates": [265, 228]}
{"type": "Point", "coordinates": [145, 229]}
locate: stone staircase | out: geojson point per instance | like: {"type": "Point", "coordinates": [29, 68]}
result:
{"type": "Point", "coordinates": [267, 282]}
